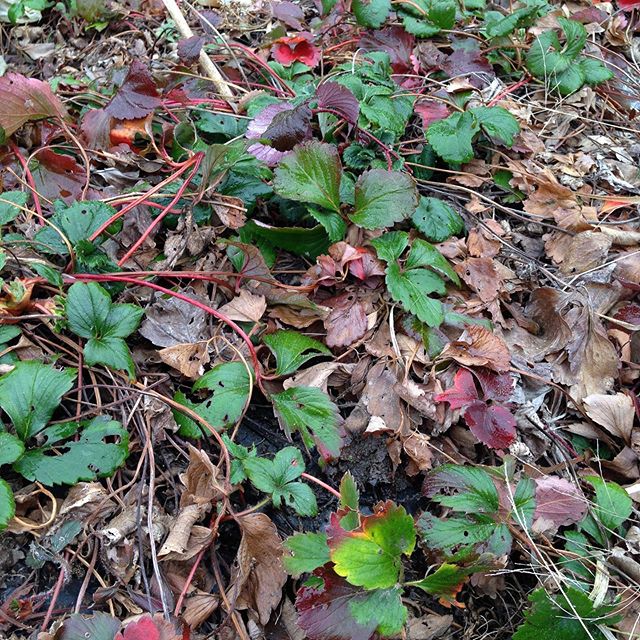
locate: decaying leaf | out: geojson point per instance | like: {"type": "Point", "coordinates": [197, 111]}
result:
{"type": "Point", "coordinates": [258, 575]}
{"type": "Point", "coordinates": [188, 359]}
{"type": "Point", "coordinates": [245, 307]}
{"type": "Point", "coordinates": [26, 99]}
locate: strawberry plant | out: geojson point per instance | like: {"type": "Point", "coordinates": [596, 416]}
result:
{"type": "Point", "coordinates": [29, 395]}
{"type": "Point", "coordinates": [563, 68]}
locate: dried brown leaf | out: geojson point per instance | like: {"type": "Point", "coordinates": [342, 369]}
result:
{"type": "Point", "coordinates": [258, 575]}
{"type": "Point", "coordinates": [188, 359]}
{"type": "Point", "coordinates": [245, 307]}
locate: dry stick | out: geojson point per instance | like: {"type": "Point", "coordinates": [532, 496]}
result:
{"type": "Point", "coordinates": [206, 63]}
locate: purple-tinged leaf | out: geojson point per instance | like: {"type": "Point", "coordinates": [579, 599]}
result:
{"type": "Point", "coordinates": [337, 97]}
{"type": "Point", "coordinates": [493, 425]}
{"type": "Point", "coordinates": [137, 97]}
{"type": "Point", "coordinates": [462, 393]}
{"type": "Point", "coordinates": [289, 128]}
{"type": "Point", "coordinates": [189, 49]}
{"type": "Point", "coordinates": [289, 13]}
{"type": "Point", "coordinates": [431, 111]}
{"type": "Point", "coordinates": [395, 41]}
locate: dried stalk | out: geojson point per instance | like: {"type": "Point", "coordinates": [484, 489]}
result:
{"type": "Point", "coordinates": [209, 68]}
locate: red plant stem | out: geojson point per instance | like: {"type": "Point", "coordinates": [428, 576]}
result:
{"type": "Point", "coordinates": [340, 45]}
{"type": "Point", "coordinates": [30, 180]}
{"type": "Point", "coordinates": [141, 199]}
{"type": "Point", "coordinates": [264, 66]}
{"type": "Point", "coordinates": [102, 277]}
{"type": "Point", "coordinates": [220, 105]}
{"type": "Point", "coordinates": [147, 232]}
{"type": "Point", "coordinates": [320, 483]}
{"type": "Point", "coordinates": [54, 599]}
{"type": "Point", "coordinates": [510, 89]}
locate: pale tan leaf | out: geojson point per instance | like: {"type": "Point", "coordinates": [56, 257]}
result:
{"type": "Point", "coordinates": [188, 359]}
{"type": "Point", "coordinates": [615, 413]}
{"type": "Point", "coordinates": [245, 307]}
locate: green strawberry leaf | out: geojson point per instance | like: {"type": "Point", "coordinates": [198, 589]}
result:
{"type": "Point", "coordinates": [7, 504]}
{"type": "Point", "coordinates": [277, 478]}
{"type": "Point", "coordinates": [301, 241]}
{"type": "Point", "coordinates": [86, 459]}
{"type": "Point", "coordinates": [31, 392]}
{"type": "Point", "coordinates": [332, 222]}
{"type": "Point", "coordinates": [411, 283]}
{"type": "Point", "coordinates": [100, 626]}
{"type": "Point", "coordinates": [568, 616]}
{"type": "Point", "coordinates": [613, 506]}
{"type": "Point", "coordinates": [349, 502]}
{"type": "Point", "coordinates": [292, 350]}
{"type": "Point", "coordinates": [385, 607]}
{"type": "Point", "coordinates": [595, 71]}
{"type": "Point", "coordinates": [497, 123]}
{"type": "Point", "coordinates": [383, 198]}
{"type": "Point", "coordinates": [11, 448]}
{"type": "Point", "coordinates": [444, 583]}
{"type": "Point", "coordinates": [437, 220]}
{"type": "Point", "coordinates": [451, 137]}
{"type": "Point", "coordinates": [92, 315]}
{"type": "Point", "coordinates": [75, 222]}
{"type": "Point", "coordinates": [311, 412]}
{"type": "Point", "coordinates": [371, 555]}
{"type": "Point", "coordinates": [311, 173]}
{"type": "Point", "coordinates": [371, 13]}
{"type": "Point", "coordinates": [229, 384]}
{"type": "Point", "coordinates": [11, 203]}
{"type": "Point", "coordinates": [307, 552]}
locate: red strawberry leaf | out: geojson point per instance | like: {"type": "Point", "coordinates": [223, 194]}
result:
{"type": "Point", "coordinates": [431, 111]}
{"type": "Point", "coordinates": [189, 49]}
{"type": "Point", "coordinates": [298, 48]}
{"type": "Point", "coordinates": [495, 386]}
{"type": "Point", "coordinates": [337, 97]}
{"type": "Point", "coordinates": [493, 425]}
{"type": "Point", "coordinates": [58, 176]}
{"type": "Point", "coordinates": [395, 41]}
{"type": "Point", "coordinates": [332, 609]}
{"type": "Point", "coordinates": [137, 97]}
{"type": "Point", "coordinates": [23, 100]}
{"type": "Point", "coordinates": [462, 393]}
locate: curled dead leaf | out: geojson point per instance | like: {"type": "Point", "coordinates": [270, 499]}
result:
{"type": "Point", "coordinates": [258, 574]}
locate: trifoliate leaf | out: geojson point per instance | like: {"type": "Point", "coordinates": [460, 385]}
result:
{"type": "Point", "coordinates": [451, 138]}
{"type": "Point", "coordinates": [311, 173]}
{"type": "Point", "coordinates": [7, 504]}
{"type": "Point", "coordinates": [89, 457]}
{"type": "Point", "coordinates": [292, 350]}
{"type": "Point", "coordinates": [568, 616]}
{"type": "Point", "coordinates": [437, 220]}
{"type": "Point", "coordinates": [11, 203]}
{"type": "Point", "coordinates": [371, 13]}
{"type": "Point", "coordinates": [497, 123]}
{"type": "Point", "coordinates": [371, 555]}
{"type": "Point", "coordinates": [93, 316]}
{"type": "Point", "coordinates": [383, 198]}
{"type": "Point", "coordinates": [277, 477]}
{"type": "Point", "coordinates": [76, 222]}
{"type": "Point", "coordinates": [311, 412]}
{"type": "Point", "coordinates": [30, 393]}
{"type": "Point", "coordinates": [308, 551]}
{"type": "Point", "coordinates": [562, 67]}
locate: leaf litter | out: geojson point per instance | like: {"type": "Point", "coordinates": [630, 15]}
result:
{"type": "Point", "coordinates": [335, 337]}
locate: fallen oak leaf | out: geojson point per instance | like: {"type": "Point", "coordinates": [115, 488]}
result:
{"type": "Point", "coordinates": [24, 100]}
